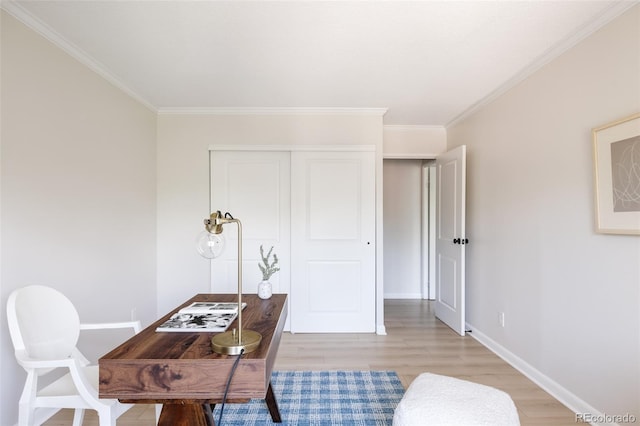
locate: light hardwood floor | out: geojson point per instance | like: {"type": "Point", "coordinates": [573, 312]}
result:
{"type": "Point", "coordinates": [416, 342]}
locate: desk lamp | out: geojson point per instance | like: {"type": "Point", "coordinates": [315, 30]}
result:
{"type": "Point", "coordinates": [211, 245]}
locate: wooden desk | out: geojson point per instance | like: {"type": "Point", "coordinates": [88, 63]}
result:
{"type": "Point", "coordinates": [180, 371]}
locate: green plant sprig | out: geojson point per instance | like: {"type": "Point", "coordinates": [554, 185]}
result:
{"type": "Point", "coordinates": [268, 269]}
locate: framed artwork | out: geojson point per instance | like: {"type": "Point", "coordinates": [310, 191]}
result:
{"type": "Point", "coordinates": [616, 149]}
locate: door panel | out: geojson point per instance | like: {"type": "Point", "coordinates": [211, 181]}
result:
{"type": "Point", "coordinates": [450, 227]}
{"type": "Point", "coordinates": [255, 188]}
{"type": "Point", "coordinates": [447, 293]}
{"type": "Point", "coordinates": [326, 279]}
{"type": "Point", "coordinates": [333, 234]}
{"type": "Point", "coordinates": [334, 196]}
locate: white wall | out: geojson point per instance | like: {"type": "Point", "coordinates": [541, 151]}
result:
{"type": "Point", "coordinates": [420, 142]}
{"type": "Point", "coordinates": [402, 229]}
{"type": "Point", "coordinates": [570, 296]}
{"type": "Point", "coordinates": [78, 192]}
{"type": "Point", "coordinates": [183, 178]}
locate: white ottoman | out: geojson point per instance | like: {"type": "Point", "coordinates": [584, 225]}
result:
{"type": "Point", "coordinates": [440, 400]}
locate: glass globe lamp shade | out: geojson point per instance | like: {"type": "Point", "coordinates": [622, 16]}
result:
{"type": "Point", "coordinates": [210, 245]}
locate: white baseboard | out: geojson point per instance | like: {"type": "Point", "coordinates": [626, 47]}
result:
{"type": "Point", "coordinates": [560, 393]}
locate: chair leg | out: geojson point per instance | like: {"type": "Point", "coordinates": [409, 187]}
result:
{"type": "Point", "coordinates": [26, 409]}
{"type": "Point", "coordinates": [78, 416]}
{"type": "Point", "coordinates": [107, 418]}
{"type": "Point", "coordinates": [26, 416]}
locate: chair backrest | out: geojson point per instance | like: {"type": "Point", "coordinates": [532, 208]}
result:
{"type": "Point", "coordinates": [42, 322]}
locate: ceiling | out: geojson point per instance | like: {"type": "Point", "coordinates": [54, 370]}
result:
{"type": "Point", "coordinates": [426, 62]}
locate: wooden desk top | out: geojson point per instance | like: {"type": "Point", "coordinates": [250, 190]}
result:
{"type": "Point", "coordinates": [157, 367]}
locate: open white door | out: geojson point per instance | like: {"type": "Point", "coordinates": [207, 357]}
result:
{"type": "Point", "coordinates": [450, 238]}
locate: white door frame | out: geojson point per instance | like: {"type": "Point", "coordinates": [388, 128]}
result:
{"type": "Point", "coordinates": [428, 230]}
{"type": "Point", "coordinates": [428, 221]}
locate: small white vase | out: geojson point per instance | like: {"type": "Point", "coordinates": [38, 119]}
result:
{"type": "Point", "coordinates": [265, 290]}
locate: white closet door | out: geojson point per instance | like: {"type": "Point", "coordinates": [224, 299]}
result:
{"type": "Point", "coordinates": [254, 187]}
{"type": "Point", "coordinates": [333, 242]}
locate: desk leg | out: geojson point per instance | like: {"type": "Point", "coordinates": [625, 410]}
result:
{"type": "Point", "coordinates": [186, 415]}
{"type": "Point", "coordinates": [272, 405]}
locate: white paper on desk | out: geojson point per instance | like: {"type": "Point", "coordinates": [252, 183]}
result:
{"type": "Point", "coordinates": [190, 322]}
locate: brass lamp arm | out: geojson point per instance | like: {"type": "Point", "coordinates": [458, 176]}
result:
{"type": "Point", "coordinates": [233, 342]}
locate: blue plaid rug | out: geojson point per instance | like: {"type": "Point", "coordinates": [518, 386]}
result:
{"type": "Point", "coordinates": [322, 398]}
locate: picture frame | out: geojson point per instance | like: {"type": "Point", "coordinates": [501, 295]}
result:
{"type": "Point", "coordinates": [616, 153]}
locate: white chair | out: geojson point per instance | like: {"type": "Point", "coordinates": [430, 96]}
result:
{"type": "Point", "coordinates": [44, 328]}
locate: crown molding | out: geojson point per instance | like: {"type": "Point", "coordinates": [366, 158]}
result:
{"type": "Point", "coordinates": [378, 112]}
{"type": "Point", "coordinates": [552, 53]}
{"type": "Point", "coordinates": [22, 15]}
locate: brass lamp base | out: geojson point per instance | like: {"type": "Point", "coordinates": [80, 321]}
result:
{"type": "Point", "coordinates": [227, 343]}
